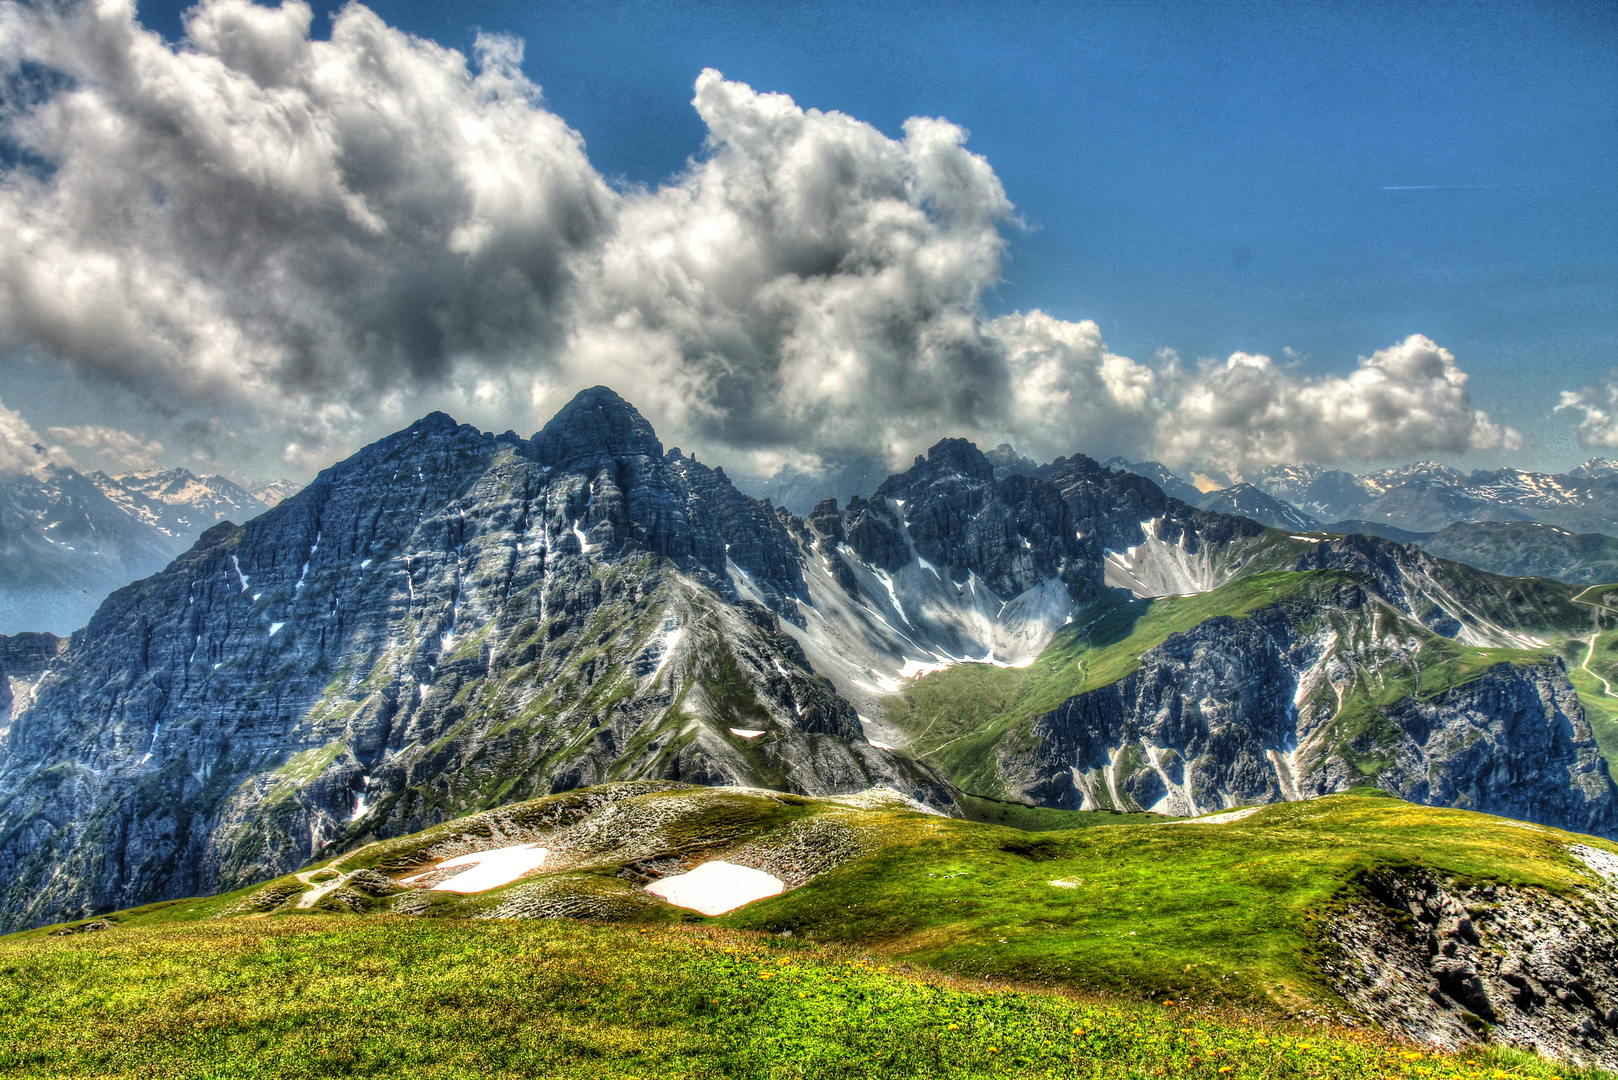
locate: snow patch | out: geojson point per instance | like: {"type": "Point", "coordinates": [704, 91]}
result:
{"type": "Point", "coordinates": [491, 869]}
{"type": "Point", "coordinates": [671, 638]}
{"type": "Point", "coordinates": [746, 733]}
{"type": "Point", "coordinates": [717, 887]}
{"type": "Point", "coordinates": [915, 668]}
{"type": "Point", "coordinates": [1221, 819]}
{"type": "Point", "coordinates": [275, 627]}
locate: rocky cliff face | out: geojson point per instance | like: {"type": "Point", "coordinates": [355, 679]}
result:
{"type": "Point", "coordinates": [1309, 697]}
{"type": "Point", "coordinates": [23, 659]}
{"type": "Point", "coordinates": [447, 621]}
{"type": "Point", "coordinates": [1449, 964]}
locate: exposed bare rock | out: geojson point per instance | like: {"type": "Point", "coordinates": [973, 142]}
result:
{"type": "Point", "coordinates": [1450, 964]}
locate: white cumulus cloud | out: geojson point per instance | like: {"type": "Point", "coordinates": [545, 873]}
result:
{"type": "Point", "coordinates": [21, 448]}
{"type": "Point", "coordinates": [1069, 392]}
{"type": "Point", "coordinates": [119, 449]}
{"type": "Point", "coordinates": [1404, 401]}
{"type": "Point", "coordinates": [809, 280]}
{"type": "Point", "coordinates": [255, 216]}
{"type": "Point", "coordinates": [328, 238]}
{"type": "Point", "coordinates": [1599, 404]}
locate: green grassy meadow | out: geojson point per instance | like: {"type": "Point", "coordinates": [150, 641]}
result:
{"type": "Point", "coordinates": [950, 948]}
{"type": "Point", "coordinates": [332, 996]}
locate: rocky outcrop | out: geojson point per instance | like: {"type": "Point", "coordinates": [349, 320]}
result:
{"type": "Point", "coordinates": [23, 659]}
{"type": "Point", "coordinates": [1450, 963]}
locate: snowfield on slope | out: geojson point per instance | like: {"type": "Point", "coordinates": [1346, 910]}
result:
{"type": "Point", "coordinates": [491, 869]}
{"type": "Point", "coordinates": [717, 887]}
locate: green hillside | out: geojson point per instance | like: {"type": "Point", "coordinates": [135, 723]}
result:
{"type": "Point", "coordinates": [327, 996]}
{"type": "Point", "coordinates": [1050, 953]}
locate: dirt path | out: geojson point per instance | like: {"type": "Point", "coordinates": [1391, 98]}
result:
{"type": "Point", "coordinates": [1589, 653]}
{"type": "Point", "coordinates": [312, 897]}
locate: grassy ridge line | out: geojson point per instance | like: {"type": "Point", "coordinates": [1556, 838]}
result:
{"type": "Point", "coordinates": [1216, 913]}
{"type": "Point", "coordinates": [1219, 914]}
{"type": "Point", "coordinates": [427, 999]}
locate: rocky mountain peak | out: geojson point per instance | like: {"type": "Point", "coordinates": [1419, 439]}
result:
{"type": "Point", "coordinates": [596, 424]}
{"type": "Point", "coordinates": [947, 460]}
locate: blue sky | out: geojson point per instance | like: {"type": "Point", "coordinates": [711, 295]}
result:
{"type": "Point", "coordinates": [1309, 181]}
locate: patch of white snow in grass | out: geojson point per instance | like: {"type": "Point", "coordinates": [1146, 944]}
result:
{"type": "Point", "coordinates": [717, 887]}
{"type": "Point", "coordinates": [275, 626]}
{"type": "Point", "coordinates": [914, 668]}
{"type": "Point", "coordinates": [881, 745]}
{"type": "Point", "coordinates": [1221, 819]}
{"type": "Point", "coordinates": [746, 733]}
{"type": "Point", "coordinates": [491, 869]}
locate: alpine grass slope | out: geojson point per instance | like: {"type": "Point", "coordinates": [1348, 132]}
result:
{"type": "Point", "coordinates": [1355, 912]}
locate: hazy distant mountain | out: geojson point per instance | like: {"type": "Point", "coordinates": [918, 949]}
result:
{"type": "Point", "coordinates": [68, 539]}
{"type": "Point", "coordinates": [1173, 484]}
{"type": "Point", "coordinates": [178, 503]}
{"type": "Point", "coordinates": [1327, 494]}
{"type": "Point", "coordinates": [1250, 502]}
{"type": "Point", "coordinates": [63, 547]}
{"type": "Point", "coordinates": [1375, 528]}
{"type": "Point", "coordinates": [1529, 549]}
{"type": "Point", "coordinates": [799, 490]}
{"type": "Point", "coordinates": [272, 492]}
{"type": "Point", "coordinates": [1427, 496]}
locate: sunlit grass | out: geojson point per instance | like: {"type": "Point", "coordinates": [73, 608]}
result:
{"type": "Point", "coordinates": [333, 996]}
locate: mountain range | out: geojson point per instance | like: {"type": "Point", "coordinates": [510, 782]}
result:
{"type": "Point", "coordinates": [452, 620]}
{"type": "Point", "coordinates": [67, 539]}
{"type": "Point", "coordinates": [1486, 519]}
